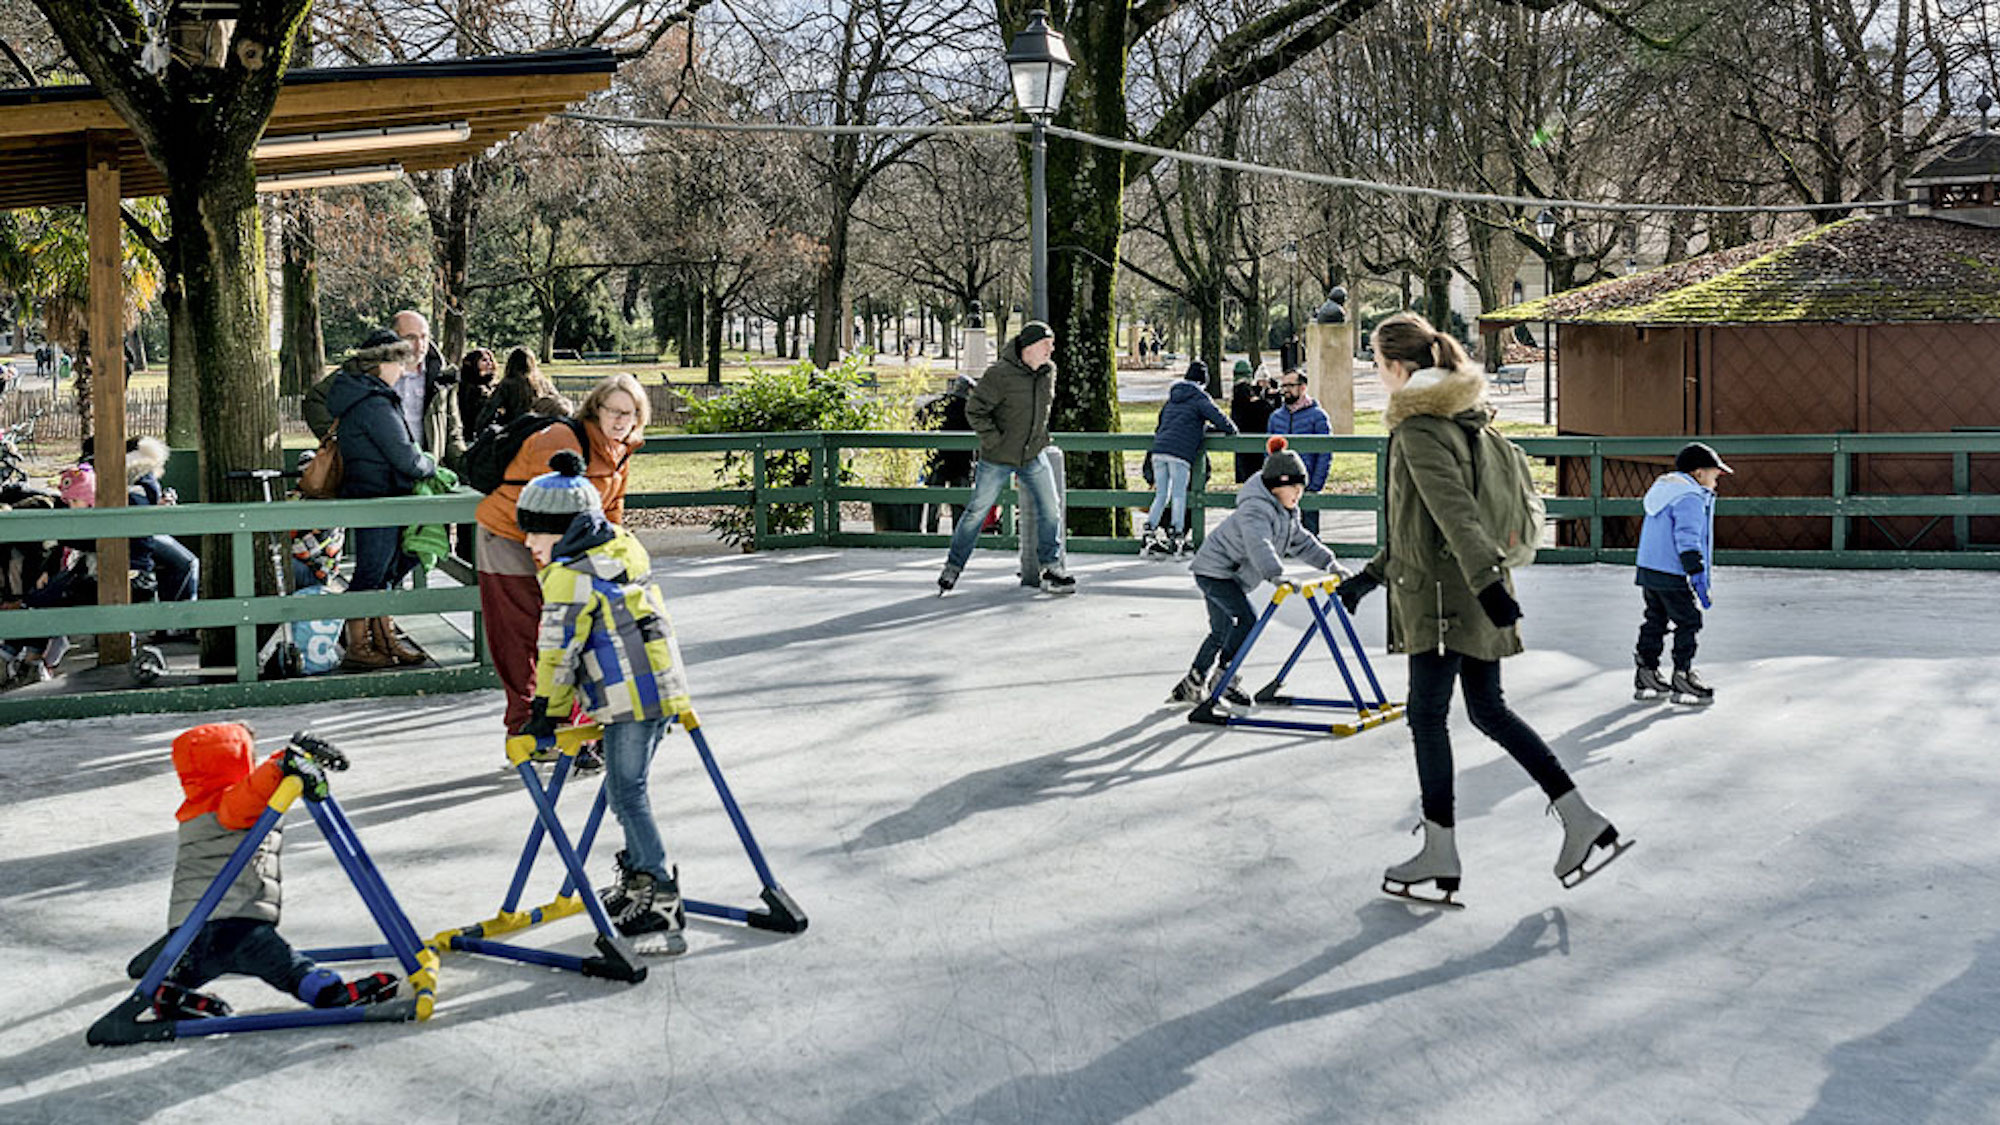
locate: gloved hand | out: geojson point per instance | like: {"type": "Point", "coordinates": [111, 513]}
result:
{"type": "Point", "coordinates": [1691, 562]}
{"type": "Point", "coordinates": [1699, 582]}
{"type": "Point", "coordinates": [541, 726]}
{"type": "Point", "coordinates": [297, 763]}
{"type": "Point", "coordinates": [1352, 590]}
{"type": "Point", "coordinates": [1500, 606]}
{"type": "Point", "coordinates": [325, 753]}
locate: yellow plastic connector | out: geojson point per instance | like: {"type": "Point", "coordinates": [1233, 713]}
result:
{"type": "Point", "coordinates": [521, 747]}
{"type": "Point", "coordinates": [288, 791]}
{"type": "Point", "coordinates": [688, 721]}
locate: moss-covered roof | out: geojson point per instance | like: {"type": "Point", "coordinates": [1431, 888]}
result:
{"type": "Point", "coordinates": [1857, 271]}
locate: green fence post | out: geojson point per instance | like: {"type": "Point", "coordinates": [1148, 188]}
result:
{"type": "Point", "coordinates": [827, 480]}
{"type": "Point", "coordinates": [1382, 493]}
{"type": "Point", "coordinates": [760, 514]}
{"type": "Point", "coordinates": [1961, 485]}
{"type": "Point", "coordinates": [1843, 466]}
{"type": "Point", "coordinates": [1596, 502]}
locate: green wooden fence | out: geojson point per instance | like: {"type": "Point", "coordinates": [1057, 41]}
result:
{"type": "Point", "coordinates": [821, 493]}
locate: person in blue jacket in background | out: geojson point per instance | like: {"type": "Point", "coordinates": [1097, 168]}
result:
{"type": "Point", "coordinates": [1188, 417]}
{"type": "Point", "coordinates": [1301, 415]}
{"type": "Point", "coordinates": [1676, 560]}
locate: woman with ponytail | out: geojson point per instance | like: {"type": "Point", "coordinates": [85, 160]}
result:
{"type": "Point", "coordinates": [1454, 611]}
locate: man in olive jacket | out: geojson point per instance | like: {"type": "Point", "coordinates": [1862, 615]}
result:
{"type": "Point", "coordinates": [1009, 410]}
{"type": "Point", "coordinates": [429, 404]}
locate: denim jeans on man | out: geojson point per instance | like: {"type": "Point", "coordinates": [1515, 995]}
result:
{"type": "Point", "coordinates": [1170, 483]}
{"type": "Point", "coordinates": [987, 481]}
{"type": "Point", "coordinates": [379, 559]}
{"type": "Point", "coordinates": [628, 758]}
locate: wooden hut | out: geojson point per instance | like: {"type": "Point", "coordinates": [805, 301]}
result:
{"type": "Point", "coordinates": [1868, 325]}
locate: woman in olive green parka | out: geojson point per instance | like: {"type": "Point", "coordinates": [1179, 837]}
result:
{"type": "Point", "coordinates": [1452, 607]}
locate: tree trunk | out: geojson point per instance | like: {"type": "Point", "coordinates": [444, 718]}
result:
{"type": "Point", "coordinates": [716, 323]}
{"type": "Point", "coordinates": [1437, 297]}
{"type": "Point", "coordinates": [302, 348]}
{"type": "Point", "coordinates": [183, 379]}
{"type": "Point", "coordinates": [454, 250]}
{"type": "Point", "coordinates": [1208, 302]}
{"type": "Point", "coordinates": [830, 291]}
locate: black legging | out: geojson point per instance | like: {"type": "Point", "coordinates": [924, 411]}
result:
{"type": "Point", "coordinates": [1431, 677]}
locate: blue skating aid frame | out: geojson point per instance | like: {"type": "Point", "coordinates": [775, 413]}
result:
{"type": "Point", "coordinates": [616, 960]}
{"type": "Point", "coordinates": [123, 1025]}
{"type": "Point", "coordinates": [1372, 709]}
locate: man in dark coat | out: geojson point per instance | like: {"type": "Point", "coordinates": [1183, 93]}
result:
{"type": "Point", "coordinates": [1251, 402]}
{"type": "Point", "coordinates": [1009, 410]}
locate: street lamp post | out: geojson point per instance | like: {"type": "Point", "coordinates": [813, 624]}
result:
{"type": "Point", "coordinates": [1039, 64]}
{"type": "Point", "coordinates": [1545, 229]}
{"type": "Point", "coordinates": [1291, 301]}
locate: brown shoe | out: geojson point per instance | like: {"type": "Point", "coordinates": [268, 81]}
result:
{"type": "Point", "coordinates": [362, 653]}
{"type": "Point", "coordinates": [397, 649]}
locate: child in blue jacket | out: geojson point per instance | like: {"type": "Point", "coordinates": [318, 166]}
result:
{"type": "Point", "coordinates": [1188, 417]}
{"type": "Point", "coordinates": [1676, 559]}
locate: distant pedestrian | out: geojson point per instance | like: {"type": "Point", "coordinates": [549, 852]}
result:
{"type": "Point", "coordinates": [522, 384]}
{"type": "Point", "coordinates": [1188, 417]}
{"type": "Point", "coordinates": [1251, 401]}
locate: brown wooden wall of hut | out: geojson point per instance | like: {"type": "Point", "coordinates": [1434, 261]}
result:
{"type": "Point", "coordinates": [1787, 378]}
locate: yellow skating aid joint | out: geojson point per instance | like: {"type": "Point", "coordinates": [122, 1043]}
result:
{"type": "Point", "coordinates": [288, 791]}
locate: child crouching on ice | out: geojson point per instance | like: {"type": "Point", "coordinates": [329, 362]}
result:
{"type": "Point", "coordinates": [605, 635]}
{"type": "Point", "coordinates": [1247, 548]}
{"type": "Point", "coordinates": [1676, 559]}
{"type": "Point", "coordinates": [226, 794]}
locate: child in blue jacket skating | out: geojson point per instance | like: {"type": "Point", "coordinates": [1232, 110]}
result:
{"type": "Point", "coordinates": [1676, 560]}
{"type": "Point", "coordinates": [1188, 417]}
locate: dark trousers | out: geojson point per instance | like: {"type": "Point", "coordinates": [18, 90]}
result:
{"type": "Point", "coordinates": [1309, 519]}
{"type": "Point", "coordinates": [175, 568]}
{"type": "Point", "coordinates": [1673, 605]}
{"type": "Point", "coordinates": [243, 946]}
{"type": "Point", "coordinates": [379, 559]}
{"type": "Point", "coordinates": [510, 608]}
{"type": "Point", "coordinates": [1229, 620]}
{"type": "Point", "coordinates": [1431, 680]}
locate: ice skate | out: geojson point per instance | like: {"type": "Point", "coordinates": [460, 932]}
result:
{"type": "Point", "coordinates": [1056, 580]}
{"type": "Point", "coordinates": [1689, 691]}
{"type": "Point", "coordinates": [1182, 543]}
{"type": "Point", "coordinates": [1436, 864]}
{"type": "Point", "coordinates": [1189, 690]}
{"type": "Point", "coordinates": [375, 988]}
{"type": "Point", "coordinates": [1232, 692]}
{"type": "Point", "coordinates": [172, 1002]}
{"type": "Point", "coordinates": [1584, 832]}
{"type": "Point", "coordinates": [653, 918]}
{"type": "Point", "coordinates": [947, 578]}
{"type": "Point", "coordinates": [1648, 685]}
{"type": "Point", "coordinates": [1155, 544]}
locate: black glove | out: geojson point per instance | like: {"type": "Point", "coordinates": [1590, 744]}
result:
{"type": "Point", "coordinates": [540, 726]}
{"type": "Point", "coordinates": [296, 763]}
{"type": "Point", "coordinates": [325, 753]}
{"type": "Point", "coordinates": [1500, 606]}
{"type": "Point", "coordinates": [1352, 590]}
{"type": "Point", "coordinates": [1691, 562]}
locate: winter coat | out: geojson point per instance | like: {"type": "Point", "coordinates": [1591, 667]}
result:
{"type": "Point", "coordinates": [1438, 556]}
{"type": "Point", "coordinates": [378, 454]}
{"type": "Point", "coordinates": [1250, 407]}
{"type": "Point", "coordinates": [510, 399]}
{"type": "Point", "coordinates": [225, 797]}
{"type": "Point", "coordinates": [1188, 417]}
{"type": "Point", "coordinates": [606, 468]}
{"type": "Point", "coordinates": [472, 400]}
{"type": "Point", "coordinates": [1252, 544]}
{"type": "Point", "coordinates": [443, 435]}
{"type": "Point", "coordinates": [605, 634]}
{"type": "Point", "coordinates": [143, 465]}
{"type": "Point", "coordinates": [1009, 409]}
{"type": "Point", "coordinates": [947, 411]}
{"type": "Point", "coordinates": [1680, 516]}
{"type": "Point", "coordinates": [1306, 418]}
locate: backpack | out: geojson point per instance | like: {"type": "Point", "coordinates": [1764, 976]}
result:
{"type": "Point", "coordinates": [487, 458]}
{"type": "Point", "coordinates": [1509, 508]}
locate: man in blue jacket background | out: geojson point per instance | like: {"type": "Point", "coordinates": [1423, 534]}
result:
{"type": "Point", "coordinates": [1301, 415]}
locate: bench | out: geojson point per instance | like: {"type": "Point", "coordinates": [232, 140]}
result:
{"type": "Point", "coordinates": [638, 357]}
{"type": "Point", "coordinates": [1509, 375]}
{"type": "Point", "coordinates": [598, 357]}
{"type": "Point", "coordinates": [562, 353]}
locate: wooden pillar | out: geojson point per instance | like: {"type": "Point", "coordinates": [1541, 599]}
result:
{"type": "Point", "coordinates": [1329, 372]}
{"type": "Point", "coordinates": [107, 367]}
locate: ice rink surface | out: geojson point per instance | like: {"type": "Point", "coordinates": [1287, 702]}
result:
{"type": "Point", "coordinates": [1037, 894]}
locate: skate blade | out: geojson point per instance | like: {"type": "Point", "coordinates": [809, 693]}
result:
{"type": "Point", "coordinates": [1443, 899]}
{"type": "Point", "coordinates": [1583, 871]}
{"type": "Point", "coordinates": [1643, 696]}
{"type": "Point", "coordinates": [659, 945]}
{"type": "Point", "coordinates": [1691, 701]}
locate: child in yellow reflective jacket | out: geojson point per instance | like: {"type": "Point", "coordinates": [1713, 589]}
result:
{"type": "Point", "coordinates": [607, 642]}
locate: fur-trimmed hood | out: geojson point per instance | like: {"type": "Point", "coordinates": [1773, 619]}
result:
{"type": "Point", "coordinates": [147, 457]}
{"type": "Point", "coordinates": [1446, 394]}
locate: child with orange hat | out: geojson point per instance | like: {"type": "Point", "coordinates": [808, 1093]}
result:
{"type": "Point", "coordinates": [227, 791]}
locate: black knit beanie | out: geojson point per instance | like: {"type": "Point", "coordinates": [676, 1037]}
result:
{"type": "Point", "coordinates": [1282, 466]}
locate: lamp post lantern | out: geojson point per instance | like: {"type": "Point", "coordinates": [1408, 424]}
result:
{"type": "Point", "coordinates": [1039, 64]}
{"type": "Point", "coordinates": [1545, 229]}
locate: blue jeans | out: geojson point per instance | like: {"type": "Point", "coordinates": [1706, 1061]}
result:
{"type": "Point", "coordinates": [1229, 620]}
{"type": "Point", "coordinates": [987, 481]}
{"type": "Point", "coordinates": [1170, 486]}
{"type": "Point", "coordinates": [379, 559]}
{"type": "Point", "coordinates": [175, 567]}
{"type": "Point", "coordinates": [628, 757]}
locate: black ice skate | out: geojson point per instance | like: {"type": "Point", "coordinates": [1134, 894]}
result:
{"type": "Point", "coordinates": [1232, 692]}
{"type": "Point", "coordinates": [1056, 580]}
{"type": "Point", "coordinates": [1189, 690]}
{"type": "Point", "coordinates": [1182, 543]}
{"type": "Point", "coordinates": [172, 1002]}
{"type": "Point", "coordinates": [1155, 545]}
{"type": "Point", "coordinates": [1436, 864]}
{"type": "Point", "coordinates": [653, 918]}
{"type": "Point", "coordinates": [947, 578]}
{"type": "Point", "coordinates": [613, 896]}
{"type": "Point", "coordinates": [1648, 685]}
{"type": "Point", "coordinates": [1689, 691]}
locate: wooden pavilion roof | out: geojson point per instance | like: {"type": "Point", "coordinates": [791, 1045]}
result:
{"type": "Point", "coordinates": [42, 129]}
